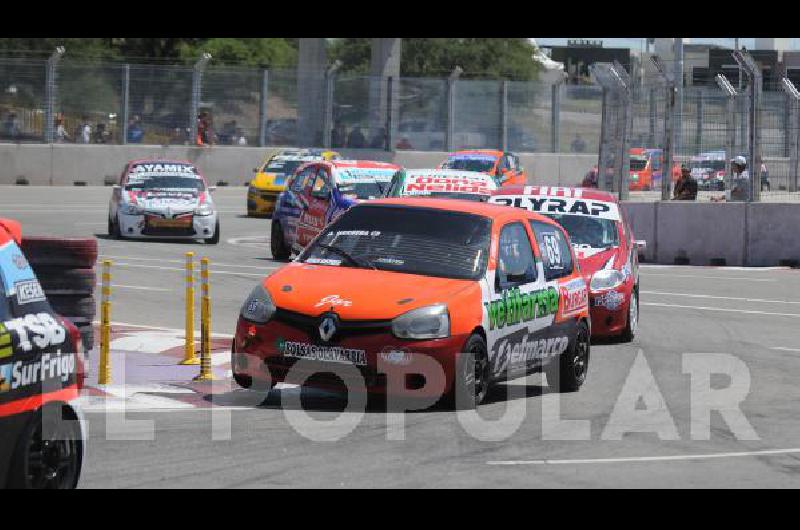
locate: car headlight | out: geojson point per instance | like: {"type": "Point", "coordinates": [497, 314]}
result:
{"type": "Point", "coordinates": [430, 322]}
{"type": "Point", "coordinates": [203, 210]}
{"type": "Point", "coordinates": [132, 209]}
{"type": "Point", "coordinates": [606, 279]}
{"type": "Point", "coordinates": [258, 307]}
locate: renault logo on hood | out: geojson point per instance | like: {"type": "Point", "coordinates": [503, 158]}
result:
{"type": "Point", "coordinates": [328, 326]}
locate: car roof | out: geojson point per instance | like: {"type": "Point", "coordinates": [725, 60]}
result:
{"type": "Point", "coordinates": [493, 152]}
{"type": "Point", "coordinates": [365, 164]}
{"type": "Point", "coordinates": [449, 173]}
{"type": "Point", "coordinates": [498, 212]}
{"type": "Point", "coordinates": [558, 191]}
{"type": "Point", "coordinates": [161, 161]}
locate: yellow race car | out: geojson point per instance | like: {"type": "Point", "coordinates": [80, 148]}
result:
{"type": "Point", "coordinates": [271, 176]}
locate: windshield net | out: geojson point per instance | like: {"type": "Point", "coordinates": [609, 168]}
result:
{"type": "Point", "coordinates": [483, 163]}
{"type": "Point", "coordinates": [424, 241]}
{"type": "Point", "coordinates": [589, 231]}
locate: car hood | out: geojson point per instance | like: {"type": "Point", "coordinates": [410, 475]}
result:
{"type": "Point", "coordinates": [269, 181]}
{"type": "Point", "coordinates": [357, 294]}
{"type": "Point", "coordinates": [163, 199]}
{"type": "Point", "coordinates": [592, 260]}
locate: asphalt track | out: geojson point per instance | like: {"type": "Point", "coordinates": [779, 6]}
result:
{"type": "Point", "coordinates": [752, 315]}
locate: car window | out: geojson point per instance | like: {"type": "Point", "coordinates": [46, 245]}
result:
{"type": "Point", "coordinates": [321, 186]}
{"type": "Point", "coordinates": [299, 181]}
{"type": "Point", "coordinates": [555, 250]}
{"type": "Point", "coordinates": [515, 262]}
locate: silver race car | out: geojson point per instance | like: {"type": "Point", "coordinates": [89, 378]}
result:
{"type": "Point", "coordinates": [163, 199]}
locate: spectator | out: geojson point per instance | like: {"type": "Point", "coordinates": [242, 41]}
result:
{"type": "Point", "coordinates": [356, 139]}
{"type": "Point", "coordinates": [578, 145]}
{"type": "Point", "coordinates": [135, 131]}
{"type": "Point", "coordinates": [380, 140]}
{"type": "Point", "coordinates": [11, 126]}
{"type": "Point", "coordinates": [61, 131]}
{"type": "Point", "coordinates": [740, 180]}
{"type": "Point", "coordinates": [590, 179]}
{"type": "Point", "coordinates": [338, 135]}
{"type": "Point", "coordinates": [100, 135]}
{"type": "Point", "coordinates": [404, 143]}
{"type": "Point", "coordinates": [241, 139]}
{"type": "Point", "coordinates": [85, 131]}
{"type": "Point", "coordinates": [685, 187]}
{"type": "Point", "coordinates": [764, 177]}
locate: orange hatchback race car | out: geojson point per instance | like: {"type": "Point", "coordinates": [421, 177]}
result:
{"type": "Point", "coordinates": [432, 298]}
{"type": "Point", "coordinates": [503, 166]}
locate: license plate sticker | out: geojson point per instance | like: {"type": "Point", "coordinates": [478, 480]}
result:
{"type": "Point", "coordinates": [314, 352]}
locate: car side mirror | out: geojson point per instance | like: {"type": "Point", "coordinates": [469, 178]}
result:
{"type": "Point", "coordinates": [255, 170]}
{"type": "Point", "coordinates": [641, 244]}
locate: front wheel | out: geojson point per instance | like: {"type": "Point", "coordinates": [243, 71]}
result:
{"type": "Point", "coordinates": [568, 372]}
{"type": "Point", "coordinates": [471, 381]}
{"type": "Point", "coordinates": [215, 238]}
{"type": "Point", "coordinates": [277, 244]}
{"type": "Point", "coordinates": [633, 317]}
{"type": "Point", "coordinates": [48, 454]}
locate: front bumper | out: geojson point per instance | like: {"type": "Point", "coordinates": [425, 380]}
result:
{"type": "Point", "coordinates": [134, 226]}
{"type": "Point", "coordinates": [258, 352]}
{"type": "Point", "coordinates": [609, 311]}
{"type": "Point", "coordinates": [261, 202]}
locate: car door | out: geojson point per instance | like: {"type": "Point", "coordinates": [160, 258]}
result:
{"type": "Point", "coordinates": [291, 201]}
{"type": "Point", "coordinates": [521, 306]}
{"type": "Point", "coordinates": [314, 214]}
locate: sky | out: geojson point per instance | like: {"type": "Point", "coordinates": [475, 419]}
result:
{"type": "Point", "coordinates": [620, 42]}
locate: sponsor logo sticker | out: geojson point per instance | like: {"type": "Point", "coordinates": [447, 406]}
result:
{"type": "Point", "coordinates": [313, 352]}
{"type": "Point", "coordinates": [515, 307]}
{"type": "Point", "coordinates": [29, 291]}
{"type": "Point", "coordinates": [333, 300]}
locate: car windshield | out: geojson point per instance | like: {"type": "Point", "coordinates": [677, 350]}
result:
{"type": "Point", "coordinates": [482, 164]}
{"type": "Point", "coordinates": [424, 241]}
{"type": "Point", "coordinates": [283, 167]}
{"type": "Point", "coordinates": [638, 164]}
{"type": "Point", "coordinates": [166, 182]}
{"type": "Point", "coordinates": [588, 231]}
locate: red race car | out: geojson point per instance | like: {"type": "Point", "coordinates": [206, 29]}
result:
{"type": "Point", "coordinates": [604, 245]}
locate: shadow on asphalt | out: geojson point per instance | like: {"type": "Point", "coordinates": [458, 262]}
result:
{"type": "Point", "coordinates": [316, 400]}
{"type": "Point", "coordinates": [154, 240]}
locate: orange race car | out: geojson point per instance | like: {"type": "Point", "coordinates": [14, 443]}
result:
{"type": "Point", "coordinates": [433, 298]}
{"type": "Point", "coordinates": [501, 165]}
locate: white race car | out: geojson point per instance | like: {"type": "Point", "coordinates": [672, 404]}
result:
{"type": "Point", "coordinates": [163, 199]}
{"type": "Point", "coordinates": [442, 183]}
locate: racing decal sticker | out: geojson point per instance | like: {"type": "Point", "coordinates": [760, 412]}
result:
{"type": "Point", "coordinates": [40, 330]}
{"type": "Point", "coordinates": [313, 352]}
{"type": "Point", "coordinates": [522, 348]}
{"type": "Point", "coordinates": [158, 169]}
{"type": "Point", "coordinates": [427, 184]}
{"type": "Point", "coordinates": [361, 175]}
{"type": "Point", "coordinates": [14, 267]}
{"type": "Point", "coordinates": [515, 307]}
{"type": "Point", "coordinates": [396, 355]}
{"type": "Point", "coordinates": [573, 297]}
{"type": "Point", "coordinates": [611, 300]}
{"type": "Point", "coordinates": [333, 300]}
{"type": "Point", "coordinates": [49, 367]}
{"type": "Point", "coordinates": [6, 348]}
{"type": "Point", "coordinates": [553, 190]}
{"type": "Point", "coordinates": [560, 205]}
{"type": "Point", "coordinates": [29, 291]}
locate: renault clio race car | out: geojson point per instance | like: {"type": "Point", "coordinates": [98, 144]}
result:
{"type": "Point", "coordinates": [271, 176]}
{"type": "Point", "coordinates": [318, 193]}
{"type": "Point", "coordinates": [442, 184]}
{"type": "Point", "coordinates": [604, 245]}
{"type": "Point", "coordinates": [42, 431]}
{"type": "Point", "coordinates": [435, 298]}
{"type": "Point", "coordinates": [162, 199]}
{"type": "Point", "coordinates": [503, 166]}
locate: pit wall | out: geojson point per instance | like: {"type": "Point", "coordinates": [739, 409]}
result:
{"type": "Point", "coordinates": [733, 234]}
{"type": "Point", "coordinates": [63, 164]}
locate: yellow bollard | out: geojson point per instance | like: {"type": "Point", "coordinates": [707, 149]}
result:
{"type": "Point", "coordinates": [104, 370]}
{"type": "Point", "coordinates": [205, 325]}
{"type": "Point", "coordinates": [189, 357]}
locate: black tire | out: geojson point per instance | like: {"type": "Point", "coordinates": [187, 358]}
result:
{"type": "Point", "coordinates": [215, 238]}
{"type": "Point", "coordinates": [568, 372]}
{"type": "Point", "coordinates": [60, 281]}
{"type": "Point", "coordinates": [113, 229]}
{"type": "Point", "coordinates": [60, 252]}
{"type": "Point", "coordinates": [87, 337]}
{"type": "Point", "coordinates": [277, 244]}
{"type": "Point", "coordinates": [632, 325]}
{"type": "Point", "coordinates": [471, 382]}
{"type": "Point", "coordinates": [74, 306]}
{"type": "Point", "coordinates": [47, 462]}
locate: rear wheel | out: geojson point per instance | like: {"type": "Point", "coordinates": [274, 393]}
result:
{"type": "Point", "coordinates": [277, 244]}
{"type": "Point", "coordinates": [568, 372]}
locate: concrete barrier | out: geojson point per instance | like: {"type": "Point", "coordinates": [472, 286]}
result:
{"type": "Point", "coordinates": [773, 234]}
{"type": "Point", "coordinates": [64, 164]}
{"type": "Point", "coordinates": [642, 219]}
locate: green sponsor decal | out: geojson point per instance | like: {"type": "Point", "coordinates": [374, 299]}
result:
{"type": "Point", "coordinates": [514, 307]}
